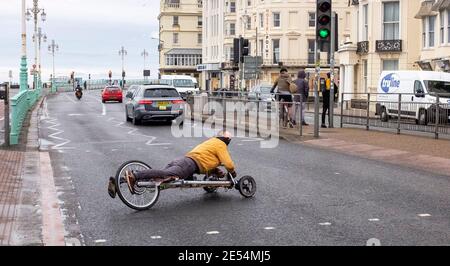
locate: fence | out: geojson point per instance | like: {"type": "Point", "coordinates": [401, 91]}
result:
{"type": "Point", "coordinates": [429, 113]}
{"type": "Point", "coordinates": [21, 104]}
{"type": "Point", "coordinates": [99, 84]}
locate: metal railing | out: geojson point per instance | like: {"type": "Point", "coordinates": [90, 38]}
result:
{"type": "Point", "coordinates": [21, 104]}
{"type": "Point", "coordinates": [421, 113]}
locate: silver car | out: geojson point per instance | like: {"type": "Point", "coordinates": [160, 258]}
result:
{"type": "Point", "coordinates": [153, 103]}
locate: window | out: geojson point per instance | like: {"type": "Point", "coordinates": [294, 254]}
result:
{"type": "Point", "coordinates": [233, 7]}
{"type": "Point", "coordinates": [175, 38]}
{"type": "Point", "coordinates": [261, 20]}
{"type": "Point", "coordinates": [448, 25]}
{"type": "Point", "coordinates": [441, 30]}
{"type": "Point", "coordinates": [249, 23]}
{"type": "Point", "coordinates": [311, 48]}
{"type": "Point", "coordinates": [276, 51]}
{"type": "Point", "coordinates": [176, 20]}
{"type": "Point", "coordinates": [200, 21]}
{"type": "Point", "coordinates": [261, 48]}
{"type": "Point", "coordinates": [249, 2]}
{"type": "Point", "coordinates": [276, 20]}
{"type": "Point", "coordinates": [418, 88]}
{"type": "Point", "coordinates": [366, 22]}
{"type": "Point", "coordinates": [431, 23]}
{"type": "Point", "coordinates": [312, 19]}
{"type": "Point", "coordinates": [199, 38]}
{"type": "Point", "coordinates": [391, 21]}
{"type": "Point", "coordinates": [365, 74]}
{"type": "Point", "coordinates": [232, 29]}
{"type": "Point", "coordinates": [424, 33]}
{"type": "Point", "coordinates": [390, 65]}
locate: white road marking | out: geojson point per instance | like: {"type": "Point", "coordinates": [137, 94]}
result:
{"type": "Point", "coordinates": [103, 109]}
{"type": "Point", "coordinates": [75, 114]}
{"type": "Point", "coordinates": [325, 224]}
{"type": "Point", "coordinates": [2, 118]}
{"type": "Point", "coordinates": [269, 228]}
{"type": "Point", "coordinates": [58, 132]}
{"type": "Point", "coordinates": [114, 150]}
{"type": "Point", "coordinates": [424, 215]}
{"type": "Point", "coordinates": [213, 233]}
{"type": "Point", "coordinates": [70, 99]}
{"type": "Point", "coordinates": [88, 151]}
{"type": "Point", "coordinates": [337, 173]}
{"type": "Point", "coordinates": [155, 237]}
{"type": "Point", "coordinates": [100, 241]}
{"type": "Point", "coordinates": [374, 220]}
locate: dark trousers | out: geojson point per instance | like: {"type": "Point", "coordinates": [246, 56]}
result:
{"type": "Point", "coordinates": [183, 168]}
{"type": "Point", "coordinates": [326, 107]}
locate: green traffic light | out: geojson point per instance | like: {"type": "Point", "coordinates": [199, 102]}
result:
{"type": "Point", "coordinates": [324, 33]}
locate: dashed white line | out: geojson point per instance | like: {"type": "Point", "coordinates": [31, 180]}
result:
{"type": "Point", "coordinates": [100, 241]}
{"type": "Point", "coordinates": [269, 228]}
{"type": "Point", "coordinates": [155, 237]}
{"type": "Point", "coordinates": [424, 215]}
{"type": "Point", "coordinates": [325, 224]}
{"type": "Point", "coordinates": [213, 233]}
{"type": "Point", "coordinates": [374, 220]}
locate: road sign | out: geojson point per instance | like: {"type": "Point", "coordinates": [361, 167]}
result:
{"type": "Point", "coordinates": [252, 64]}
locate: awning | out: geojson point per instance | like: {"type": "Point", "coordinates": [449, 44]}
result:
{"type": "Point", "coordinates": [184, 51]}
{"type": "Point", "coordinates": [441, 4]}
{"type": "Point", "coordinates": [425, 10]}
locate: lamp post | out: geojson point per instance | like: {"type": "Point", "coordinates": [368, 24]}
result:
{"type": "Point", "coordinates": [41, 37]}
{"type": "Point", "coordinates": [34, 13]}
{"type": "Point", "coordinates": [123, 53]}
{"type": "Point", "coordinates": [145, 55]}
{"type": "Point", "coordinates": [160, 47]}
{"type": "Point", "coordinates": [52, 48]}
{"type": "Point", "coordinates": [23, 60]}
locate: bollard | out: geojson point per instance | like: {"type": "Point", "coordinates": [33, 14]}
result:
{"type": "Point", "coordinates": [399, 111]}
{"type": "Point", "coordinates": [368, 112]}
{"type": "Point", "coordinates": [342, 110]}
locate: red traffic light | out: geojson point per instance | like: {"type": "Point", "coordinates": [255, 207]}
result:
{"type": "Point", "coordinates": [325, 6]}
{"type": "Point", "coordinates": [324, 20]}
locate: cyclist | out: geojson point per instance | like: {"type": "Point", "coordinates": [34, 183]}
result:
{"type": "Point", "coordinates": [204, 159]}
{"type": "Point", "coordinates": [284, 94]}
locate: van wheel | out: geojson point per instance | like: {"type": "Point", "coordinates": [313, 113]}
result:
{"type": "Point", "coordinates": [384, 115]}
{"type": "Point", "coordinates": [423, 117]}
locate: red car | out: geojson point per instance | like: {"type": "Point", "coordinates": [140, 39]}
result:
{"type": "Point", "coordinates": [112, 93]}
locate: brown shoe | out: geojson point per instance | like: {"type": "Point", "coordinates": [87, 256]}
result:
{"type": "Point", "coordinates": [112, 187]}
{"type": "Point", "coordinates": [131, 181]}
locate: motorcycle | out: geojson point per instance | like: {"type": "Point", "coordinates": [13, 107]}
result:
{"type": "Point", "coordinates": [78, 94]}
{"type": "Point", "coordinates": [147, 192]}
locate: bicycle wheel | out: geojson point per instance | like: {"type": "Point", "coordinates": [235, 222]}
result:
{"type": "Point", "coordinates": [144, 197]}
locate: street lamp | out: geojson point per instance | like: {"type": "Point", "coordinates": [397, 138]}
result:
{"type": "Point", "coordinates": [52, 48]}
{"type": "Point", "coordinates": [33, 13]}
{"type": "Point", "coordinates": [39, 37]}
{"type": "Point", "coordinates": [123, 53]}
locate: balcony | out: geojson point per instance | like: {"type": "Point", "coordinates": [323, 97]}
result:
{"type": "Point", "coordinates": [172, 4]}
{"type": "Point", "coordinates": [363, 47]}
{"type": "Point", "coordinates": [383, 46]}
{"type": "Point", "coordinates": [293, 62]}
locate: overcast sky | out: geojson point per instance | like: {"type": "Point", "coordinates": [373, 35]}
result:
{"type": "Point", "coordinates": [89, 33]}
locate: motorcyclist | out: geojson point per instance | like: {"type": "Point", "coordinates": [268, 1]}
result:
{"type": "Point", "coordinates": [203, 159]}
{"type": "Point", "coordinates": [78, 89]}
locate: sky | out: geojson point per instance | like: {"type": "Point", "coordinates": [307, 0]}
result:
{"type": "Point", "coordinates": [89, 34]}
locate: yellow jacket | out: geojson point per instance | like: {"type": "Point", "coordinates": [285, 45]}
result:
{"type": "Point", "coordinates": [211, 154]}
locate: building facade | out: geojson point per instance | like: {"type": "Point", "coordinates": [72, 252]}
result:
{"type": "Point", "coordinates": [282, 32]}
{"type": "Point", "coordinates": [384, 37]}
{"type": "Point", "coordinates": [181, 36]}
{"type": "Point", "coordinates": [435, 44]}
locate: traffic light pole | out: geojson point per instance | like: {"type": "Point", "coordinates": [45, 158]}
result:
{"type": "Point", "coordinates": [316, 91]}
{"type": "Point", "coordinates": [332, 50]}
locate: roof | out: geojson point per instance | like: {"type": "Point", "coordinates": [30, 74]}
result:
{"type": "Point", "coordinates": [441, 4]}
{"type": "Point", "coordinates": [184, 51]}
{"type": "Point", "coordinates": [425, 10]}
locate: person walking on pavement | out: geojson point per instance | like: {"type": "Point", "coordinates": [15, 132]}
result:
{"type": "Point", "coordinates": [85, 85]}
{"type": "Point", "coordinates": [302, 96]}
{"type": "Point", "coordinates": [284, 94]}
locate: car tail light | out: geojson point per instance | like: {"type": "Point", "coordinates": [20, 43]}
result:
{"type": "Point", "coordinates": [143, 102]}
{"type": "Point", "coordinates": [177, 101]}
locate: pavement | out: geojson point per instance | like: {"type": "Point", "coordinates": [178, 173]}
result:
{"type": "Point", "coordinates": [343, 189]}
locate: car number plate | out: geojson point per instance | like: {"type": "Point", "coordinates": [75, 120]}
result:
{"type": "Point", "coordinates": [163, 105]}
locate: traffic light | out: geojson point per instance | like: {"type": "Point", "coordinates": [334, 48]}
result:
{"type": "Point", "coordinates": [323, 23]}
{"type": "Point", "coordinates": [123, 74]}
{"type": "Point", "coordinates": [110, 74]}
{"type": "Point", "coordinates": [236, 50]}
{"type": "Point", "coordinates": [72, 75]}
{"type": "Point", "coordinates": [245, 48]}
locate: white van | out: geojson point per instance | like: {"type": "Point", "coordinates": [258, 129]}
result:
{"type": "Point", "coordinates": [183, 84]}
{"type": "Point", "coordinates": [418, 91]}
